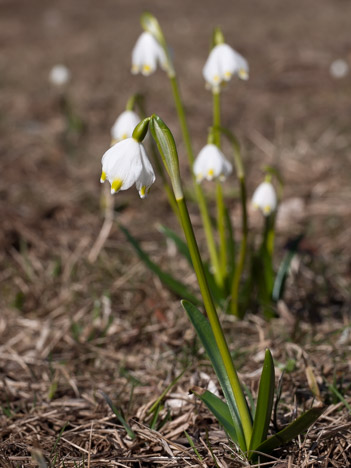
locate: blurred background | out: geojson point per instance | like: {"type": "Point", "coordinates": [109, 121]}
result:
{"type": "Point", "coordinates": [294, 112]}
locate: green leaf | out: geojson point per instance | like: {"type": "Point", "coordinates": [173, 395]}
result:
{"type": "Point", "coordinates": [180, 244]}
{"type": "Point", "coordinates": [205, 333]}
{"type": "Point", "coordinates": [119, 415]}
{"type": "Point", "coordinates": [264, 402]}
{"type": "Point", "coordinates": [168, 280]}
{"type": "Point", "coordinates": [279, 283]}
{"type": "Point", "coordinates": [289, 433]}
{"type": "Point", "coordinates": [220, 411]}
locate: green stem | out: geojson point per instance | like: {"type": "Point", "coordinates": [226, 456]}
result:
{"type": "Point", "coordinates": [242, 253]}
{"type": "Point", "coordinates": [221, 224]}
{"type": "Point", "coordinates": [243, 246]}
{"type": "Point", "coordinates": [217, 117]}
{"type": "Point", "coordinates": [206, 220]}
{"type": "Point", "coordinates": [214, 321]}
{"type": "Point", "coordinates": [219, 192]}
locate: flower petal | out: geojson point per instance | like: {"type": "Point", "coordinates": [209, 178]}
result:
{"type": "Point", "coordinates": [124, 125]}
{"type": "Point", "coordinates": [265, 198]}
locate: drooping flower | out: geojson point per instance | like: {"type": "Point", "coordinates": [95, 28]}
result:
{"type": "Point", "coordinates": [124, 126]}
{"type": "Point", "coordinates": [265, 198]}
{"type": "Point", "coordinates": [126, 163]}
{"type": "Point", "coordinates": [211, 163]}
{"type": "Point", "coordinates": [222, 63]}
{"type": "Point", "coordinates": [59, 75]}
{"type": "Point", "coordinates": [147, 54]}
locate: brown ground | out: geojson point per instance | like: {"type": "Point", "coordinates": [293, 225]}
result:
{"type": "Point", "coordinates": [71, 328]}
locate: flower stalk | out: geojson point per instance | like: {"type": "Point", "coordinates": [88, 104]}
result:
{"type": "Point", "coordinates": [221, 210]}
{"type": "Point", "coordinates": [166, 145]}
{"type": "Point", "coordinates": [200, 196]}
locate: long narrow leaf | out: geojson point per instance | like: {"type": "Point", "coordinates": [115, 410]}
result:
{"type": "Point", "coordinates": [205, 333]}
{"type": "Point", "coordinates": [180, 244]}
{"type": "Point", "coordinates": [279, 283]}
{"type": "Point", "coordinates": [121, 419]}
{"type": "Point", "coordinates": [220, 411]}
{"type": "Point", "coordinates": [173, 284]}
{"type": "Point", "coordinates": [264, 402]}
{"type": "Point", "coordinates": [289, 433]}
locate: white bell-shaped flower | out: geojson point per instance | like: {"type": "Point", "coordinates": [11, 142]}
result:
{"type": "Point", "coordinates": [265, 198]}
{"type": "Point", "coordinates": [211, 163]}
{"type": "Point", "coordinates": [126, 163]}
{"type": "Point", "coordinates": [124, 125]}
{"type": "Point", "coordinates": [147, 54]}
{"type": "Point", "coordinates": [222, 63]}
{"type": "Point", "coordinates": [59, 75]}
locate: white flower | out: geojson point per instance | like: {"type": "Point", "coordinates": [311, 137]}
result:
{"type": "Point", "coordinates": [147, 53]}
{"type": "Point", "coordinates": [59, 75]}
{"type": "Point", "coordinates": [126, 163]}
{"type": "Point", "coordinates": [124, 126]}
{"type": "Point", "coordinates": [222, 63]}
{"type": "Point", "coordinates": [211, 163]}
{"type": "Point", "coordinates": [265, 198]}
{"type": "Point", "coordinates": [339, 68]}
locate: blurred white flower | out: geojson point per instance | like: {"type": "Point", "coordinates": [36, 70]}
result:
{"type": "Point", "coordinates": [339, 68]}
{"type": "Point", "coordinates": [147, 54]}
{"type": "Point", "coordinates": [265, 198]}
{"type": "Point", "coordinates": [59, 75]}
{"type": "Point", "coordinates": [222, 63]}
{"type": "Point", "coordinates": [211, 163]}
{"type": "Point", "coordinates": [126, 163]}
{"type": "Point", "coordinates": [124, 125]}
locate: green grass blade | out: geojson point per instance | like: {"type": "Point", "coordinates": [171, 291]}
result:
{"type": "Point", "coordinates": [119, 416]}
{"type": "Point", "coordinates": [221, 411]}
{"type": "Point", "coordinates": [336, 392]}
{"type": "Point", "coordinates": [205, 333]}
{"type": "Point", "coordinates": [168, 280]}
{"type": "Point", "coordinates": [180, 244]}
{"type": "Point", "coordinates": [264, 402]}
{"type": "Point", "coordinates": [165, 391]}
{"type": "Point", "coordinates": [192, 445]}
{"type": "Point", "coordinates": [289, 433]}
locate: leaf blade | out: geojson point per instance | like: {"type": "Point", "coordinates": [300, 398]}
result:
{"type": "Point", "coordinates": [208, 341]}
{"type": "Point", "coordinates": [264, 402]}
{"type": "Point", "coordinates": [221, 411]}
{"type": "Point", "coordinates": [168, 280]}
{"type": "Point", "coordinates": [289, 433]}
{"type": "Point", "coordinates": [180, 244]}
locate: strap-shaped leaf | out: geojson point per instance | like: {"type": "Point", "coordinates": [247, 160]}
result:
{"type": "Point", "coordinates": [289, 433]}
{"type": "Point", "coordinates": [205, 333]}
{"type": "Point", "coordinates": [168, 280]}
{"type": "Point", "coordinates": [180, 244]}
{"type": "Point", "coordinates": [220, 411]}
{"type": "Point", "coordinates": [264, 402]}
{"type": "Point", "coordinates": [279, 283]}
